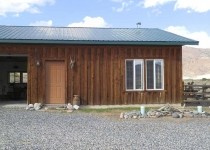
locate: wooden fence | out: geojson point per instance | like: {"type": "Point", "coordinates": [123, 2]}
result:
{"type": "Point", "coordinates": [196, 93]}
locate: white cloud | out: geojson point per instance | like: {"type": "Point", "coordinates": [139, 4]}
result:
{"type": "Point", "coordinates": [200, 36]}
{"type": "Point", "coordinates": [156, 12]}
{"type": "Point", "coordinates": [42, 23]}
{"type": "Point", "coordinates": [195, 5]}
{"type": "Point", "coordinates": [124, 5]}
{"type": "Point", "coordinates": [117, 1]}
{"type": "Point", "coordinates": [90, 22]}
{"type": "Point", "coordinates": [19, 6]}
{"type": "Point", "coordinates": [154, 3]}
{"type": "Point", "coordinates": [191, 6]}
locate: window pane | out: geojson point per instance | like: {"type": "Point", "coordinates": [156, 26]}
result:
{"type": "Point", "coordinates": [129, 74]}
{"type": "Point", "coordinates": [158, 74]}
{"type": "Point", "coordinates": [25, 78]}
{"type": "Point", "coordinates": [138, 75]}
{"type": "Point", "coordinates": [150, 74]}
{"type": "Point", "coordinates": [11, 77]}
{"type": "Point", "coordinates": [17, 77]}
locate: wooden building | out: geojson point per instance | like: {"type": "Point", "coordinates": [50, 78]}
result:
{"type": "Point", "coordinates": [104, 66]}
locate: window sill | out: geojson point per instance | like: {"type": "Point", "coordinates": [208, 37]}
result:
{"type": "Point", "coordinates": [134, 90]}
{"type": "Point", "coordinates": [141, 91]}
{"type": "Point", "coordinates": [154, 90]}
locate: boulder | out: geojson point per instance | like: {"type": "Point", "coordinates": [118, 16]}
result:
{"type": "Point", "coordinates": [125, 116]}
{"type": "Point", "coordinates": [30, 105]}
{"type": "Point", "coordinates": [175, 115]}
{"type": "Point", "coordinates": [76, 107]}
{"type": "Point", "coordinates": [27, 107]}
{"type": "Point", "coordinates": [37, 106]}
{"type": "Point", "coordinates": [69, 106]}
{"type": "Point", "coordinates": [151, 113]}
{"type": "Point", "coordinates": [188, 115]}
{"type": "Point", "coordinates": [195, 112]}
{"type": "Point", "coordinates": [31, 109]}
{"type": "Point", "coordinates": [121, 115]}
{"type": "Point", "coordinates": [158, 114]}
{"type": "Point", "coordinates": [180, 115]}
{"type": "Point", "coordinates": [135, 117]}
{"type": "Point", "coordinates": [204, 115]}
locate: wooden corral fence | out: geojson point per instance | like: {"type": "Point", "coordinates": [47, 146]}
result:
{"type": "Point", "coordinates": [196, 93]}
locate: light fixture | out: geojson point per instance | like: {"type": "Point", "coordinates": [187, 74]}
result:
{"type": "Point", "coordinates": [37, 58]}
{"type": "Point", "coordinates": [72, 62]}
{"type": "Point", "coordinates": [37, 63]}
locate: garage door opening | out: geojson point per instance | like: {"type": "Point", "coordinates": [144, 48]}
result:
{"type": "Point", "coordinates": [13, 79]}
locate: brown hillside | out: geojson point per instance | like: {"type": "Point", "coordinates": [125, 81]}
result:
{"type": "Point", "coordinates": [196, 62]}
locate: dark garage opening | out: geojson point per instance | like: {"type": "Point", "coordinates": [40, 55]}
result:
{"type": "Point", "coordinates": [13, 78]}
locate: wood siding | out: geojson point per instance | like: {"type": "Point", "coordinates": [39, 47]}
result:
{"type": "Point", "coordinates": [98, 75]}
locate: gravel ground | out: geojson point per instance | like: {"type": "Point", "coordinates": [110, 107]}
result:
{"type": "Point", "coordinates": [21, 129]}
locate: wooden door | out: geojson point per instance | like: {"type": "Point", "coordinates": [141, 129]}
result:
{"type": "Point", "coordinates": [55, 82]}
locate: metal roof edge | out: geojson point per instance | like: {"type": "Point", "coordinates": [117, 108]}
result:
{"type": "Point", "coordinates": [100, 42]}
{"type": "Point", "coordinates": [29, 26]}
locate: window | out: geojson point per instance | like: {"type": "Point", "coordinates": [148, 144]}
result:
{"type": "Point", "coordinates": [134, 74]}
{"type": "Point", "coordinates": [18, 77]}
{"type": "Point", "coordinates": [154, 74]}
{"type": "Point", "coordinates": [25, 77]}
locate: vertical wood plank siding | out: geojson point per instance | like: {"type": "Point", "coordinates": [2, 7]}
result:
{"type": "Point", "coordinates": [98, 75]}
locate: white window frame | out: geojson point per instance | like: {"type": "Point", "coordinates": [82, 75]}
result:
{"type": "Point", "coordinates": [21, 77]}
{"type": "Point", "coordinates": [134, 75]}
{"type": "Point", "coordinates": [154, 75]}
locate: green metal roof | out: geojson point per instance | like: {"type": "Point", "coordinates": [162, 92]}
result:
{"type": "Point", "coordinates": [77, 35]}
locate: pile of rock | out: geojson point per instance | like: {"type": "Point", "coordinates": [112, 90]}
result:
{"type": "Point", "coordinates": [35, 106]}
{"type": "Point", "coordinates": [132, 114]}
{"type": "Point", "coordinates": [71, 108]}
{"type": "Point", "coordinates": [166, 110]}
{"type": "Point", "coordinates": [68, 107]}
{"type": "Point", "coordinates": [38, 106]}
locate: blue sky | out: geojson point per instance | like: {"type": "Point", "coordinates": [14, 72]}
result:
{"type": "Point", "coordinates": [190, 18]}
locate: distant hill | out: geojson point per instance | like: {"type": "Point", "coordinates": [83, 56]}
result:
{"type": "Point", "coordinates": [196, 63]}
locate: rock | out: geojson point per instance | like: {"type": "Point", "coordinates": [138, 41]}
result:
{"type": "Point", "coordinates": [27, 107]}
{"type": "Point", "coordinates": [132, 114]}
{"type": "Point", "coordinates": [151, 113]}
{"type": "Point", "coordinates": [204, 115]}
{"type": "Point", "coordinates": [37, 106]}
{"type": "Point", "coordinates": [134, 117]}
{"type": "Point", "coordinates": [197, 116]}
{"type": "Point", "coordinates": [188, 114]}
{"type": "Point", "coordinates": [158, 114]}
{"type": "Point", "coordinates": [31, 106]}
{"type": "Point", "coordinates": [69, 106]}
{"type": "Point", "coordinates": [175, 115]}
{"type": "Point", "coordinates": [195, 112]}
{"type": "Point", "coordinates": [121, 115]}
{"type": "Point", "coordinates": [126, 116]}
{"type": "Point", "coordinates": [76, 107]}
{"type": "Point", "coordinates": [144, 116]}
{"type": "Point", "coordinates": [180, 115]}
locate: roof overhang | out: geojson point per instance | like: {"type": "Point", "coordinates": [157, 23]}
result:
{"type": "Point", "coordinates": [88, 42]}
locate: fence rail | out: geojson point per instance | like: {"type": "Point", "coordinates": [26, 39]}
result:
{"type": "Point", "coordinates": [196, 93]}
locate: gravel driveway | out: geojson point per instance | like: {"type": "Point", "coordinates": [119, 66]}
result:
{"type": "Point", "coordinates": [21, 129]}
